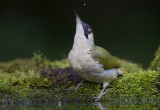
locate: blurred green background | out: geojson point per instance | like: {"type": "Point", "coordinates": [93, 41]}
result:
{"type": "Point", "coordinates": [127, 29]}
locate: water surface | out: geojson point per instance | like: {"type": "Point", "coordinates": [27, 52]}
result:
{"type": "Point", "coordinates": [85, 106]}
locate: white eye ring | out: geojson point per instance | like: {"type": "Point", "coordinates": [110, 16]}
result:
{"type": "Point", "coordinates": [89, 29]}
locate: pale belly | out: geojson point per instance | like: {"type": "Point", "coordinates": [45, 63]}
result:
{"type": "Point", "coordinates": [92, 78]}
{"type": "Point", "coordinates": [89, 69]}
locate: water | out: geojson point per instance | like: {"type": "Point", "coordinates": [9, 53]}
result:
{"type": "Point", "coordinates": [85, 106]}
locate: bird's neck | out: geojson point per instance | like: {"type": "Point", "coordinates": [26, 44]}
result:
{"type": "Point", "coordinates": [82, 43]}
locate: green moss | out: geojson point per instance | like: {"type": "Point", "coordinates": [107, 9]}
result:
{"type": "Point", "coordinates": [142, 84]}
{"type": "Point", "coordinates": [60, 63]}
{"type": "Point", "coordinates": [22, 85]}
{"type": "Point", "coordinates": [155, 64]}
{"type": "Point", "coordinates": [15, 65]}
{"type": "Point", "coordinates": [130, 66]}
{"type": "Point", "coordinates": [138, 84]}
{"type": "Point", "coordinates": [39, 59]}
{"type": "Point", "coordinates": [22, 79]}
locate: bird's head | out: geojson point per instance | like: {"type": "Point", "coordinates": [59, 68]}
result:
{"type": "Point", "coordinates": [84, 32]}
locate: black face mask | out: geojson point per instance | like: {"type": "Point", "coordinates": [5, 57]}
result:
{"type": "Point", "coordinates": [87, 29]}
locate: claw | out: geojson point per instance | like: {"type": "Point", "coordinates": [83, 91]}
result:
{"type": "Point", "coordinates": [96, 98]}
{"type": "Point", "coordinates": [105, 85]}
{"type": "Point", "coordinates": [77, 87]}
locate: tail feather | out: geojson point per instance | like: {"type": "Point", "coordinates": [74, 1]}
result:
{"type": "Point", "coordinates": [125, 72]}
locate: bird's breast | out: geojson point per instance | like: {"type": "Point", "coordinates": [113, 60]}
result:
{"type": "Point", "coordinates": [73, 60]}
{"type": "Point", "coordinates": [86, 67]}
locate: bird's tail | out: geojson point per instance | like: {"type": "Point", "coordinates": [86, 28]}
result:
{"type": "Point", "coordinates": [125, 72]}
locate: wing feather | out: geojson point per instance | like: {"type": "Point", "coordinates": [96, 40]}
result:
{"type": "Point", "coordinates": [105, 58]}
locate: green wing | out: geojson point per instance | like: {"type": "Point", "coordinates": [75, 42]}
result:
{"type": "Point", "coordinates": [105, 58]}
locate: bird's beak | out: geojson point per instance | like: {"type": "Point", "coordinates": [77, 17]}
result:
{"type": "Point", "coordinates": [78, 19]}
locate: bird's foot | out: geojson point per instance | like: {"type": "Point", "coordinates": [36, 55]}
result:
{"type": "Point", "coordinates": [96, 98]}
{"type": "Point", "coordinates": [77, 87]}
{"type": "Point", "coordinates": [100, 95]}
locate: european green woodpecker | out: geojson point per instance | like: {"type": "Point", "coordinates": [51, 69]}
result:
{"type": "Point", "coordinates": [91, 62]}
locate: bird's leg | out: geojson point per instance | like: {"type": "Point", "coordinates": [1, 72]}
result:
{"type": "Point", "coordinates": [77, 87]}
{"type": "Point", "coordinates": [103, 91]}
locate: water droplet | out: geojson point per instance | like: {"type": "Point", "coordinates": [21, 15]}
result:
{"type": "Point", "coordinates": [59, 103]}
{"type": "Point", "coordinates": [84, 3]}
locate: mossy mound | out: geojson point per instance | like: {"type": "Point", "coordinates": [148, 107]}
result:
{"type": "Point", "coordinates": [138, 84]}
{"type": "Point", "coordinates": [38, 79]}
{"type": "Point", "coordinates": [130, 66]}
{"type": "Point", "coordinates": [155, 64]}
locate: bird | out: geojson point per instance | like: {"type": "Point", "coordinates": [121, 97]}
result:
{"type": "Point", "coordinates": [91, 62]}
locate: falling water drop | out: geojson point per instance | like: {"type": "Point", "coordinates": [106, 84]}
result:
{"type": "Point", "coordinates": [84, 3]}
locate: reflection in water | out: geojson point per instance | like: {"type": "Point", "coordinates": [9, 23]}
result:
{"type": "Point", "coordinates": [59, 103]}
{"type": "Point", "coordinates": [100, 106]}
{"type": "Point", "coordinates": [83, 106]}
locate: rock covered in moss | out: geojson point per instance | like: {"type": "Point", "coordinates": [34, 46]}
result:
{"type": "Point", "coordinates": [138, 84]}
{"type": "Point", "coordinates": [61, 76]}
{"type": "Point", "coordinates": [144, 84]}
{"type": "Point", "coordinates": [130, 66]}
{"type": "Point", "coordinates": [38, 79]}
{"type": "Point", "coordinates": [155, 64]}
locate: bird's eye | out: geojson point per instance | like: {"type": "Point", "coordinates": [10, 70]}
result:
{"type": "Point", "coordinates": [89, 29]}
